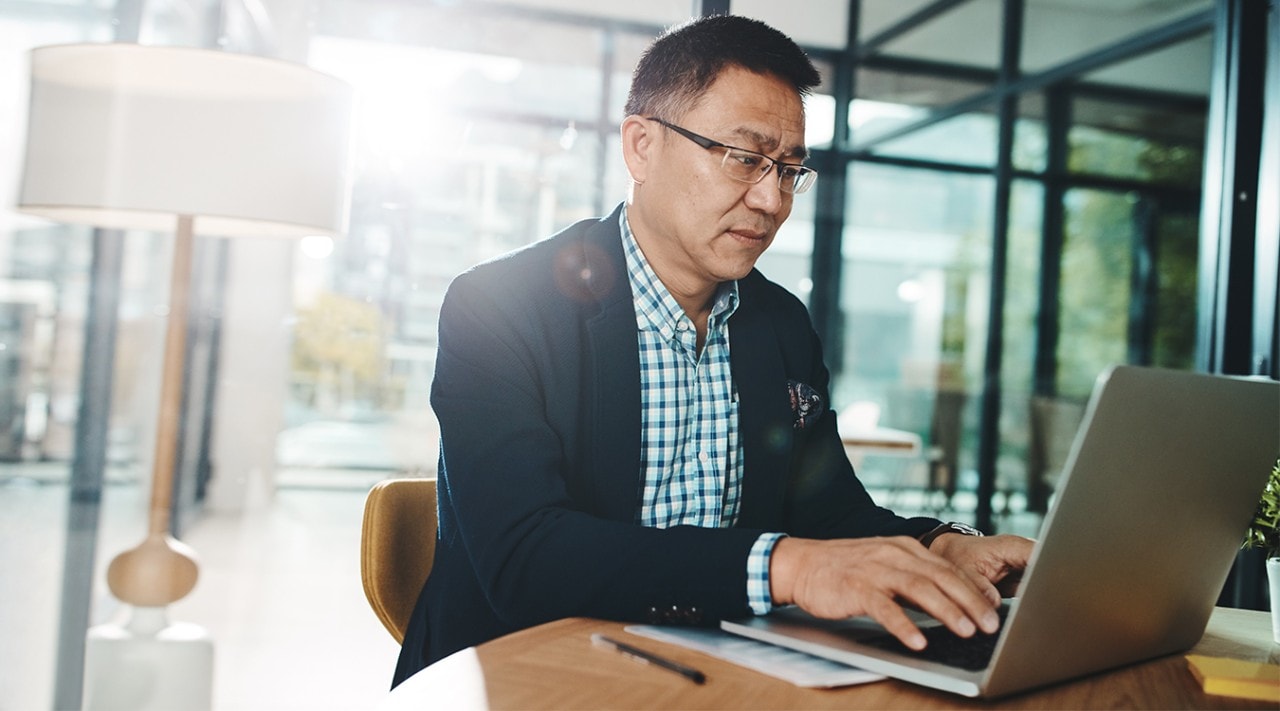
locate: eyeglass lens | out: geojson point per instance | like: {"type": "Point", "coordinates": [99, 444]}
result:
{"type": "Point", "coordinates": [751, 167]}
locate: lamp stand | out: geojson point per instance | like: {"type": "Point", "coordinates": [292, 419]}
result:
{"type": "Point", "coordinates": [161, 570]}
{"type": "Point", "coordinates": [147, 662]}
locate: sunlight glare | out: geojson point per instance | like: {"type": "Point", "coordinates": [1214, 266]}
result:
{"type": "Point", "coordinates": [406, 95]}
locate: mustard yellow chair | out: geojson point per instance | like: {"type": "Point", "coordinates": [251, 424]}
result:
{"type": "Point", "coordinates": [397, 547]}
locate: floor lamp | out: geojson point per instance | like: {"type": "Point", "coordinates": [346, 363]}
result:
{"type": "Point", "coordinates": [192, 142]}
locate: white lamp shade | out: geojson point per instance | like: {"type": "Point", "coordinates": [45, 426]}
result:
{"type": "Point", "coordinates": [130, 136]}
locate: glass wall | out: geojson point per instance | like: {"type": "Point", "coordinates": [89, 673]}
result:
{"type": "Point", "coordinates": [1098, 242]}
{"type": "Point", "coordinates": [46, 282]}
{"type": "Point", "coordinates": [917, 253]}
{"type": "Point", "coordinates": [477, 132]}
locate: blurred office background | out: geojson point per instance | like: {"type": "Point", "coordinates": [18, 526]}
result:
{"type": "Point", "coordinates": [1013, 195]}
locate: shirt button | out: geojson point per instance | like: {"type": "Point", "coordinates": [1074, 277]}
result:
{"type": "Point", "coordinates": [702, 457]}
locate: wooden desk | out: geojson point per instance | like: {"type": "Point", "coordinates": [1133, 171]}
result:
{"type": "Point", "coordinates": [882, 440]}
{"type": "Point", "coordinates": [555, 666]}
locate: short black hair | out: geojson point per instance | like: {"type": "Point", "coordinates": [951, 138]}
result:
{"type": "Point", "coordinates": [682, 63]}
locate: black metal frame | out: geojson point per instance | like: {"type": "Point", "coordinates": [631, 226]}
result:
{"type": "Point", "coordinates": [1129, 48]}
{"type": "Point", "coordinates": [1229, 221]}
{"type": "Point", "coordinates": [1266, 331]}
{"type": "Point", "coordinates": [1045, 367]}
{"type": "Point", "coordinates": [989, 423]}
{"type": "Point", "coordinates": [1234, 337]}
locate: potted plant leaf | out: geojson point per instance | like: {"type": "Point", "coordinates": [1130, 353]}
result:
{"type": "Point", "coordinates": [1264, 533]}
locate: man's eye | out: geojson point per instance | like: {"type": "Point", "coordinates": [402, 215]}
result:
{"type": "Point", "coordinates": [790, 171]}
{"type": "Point", "coordinates": [747, 160]}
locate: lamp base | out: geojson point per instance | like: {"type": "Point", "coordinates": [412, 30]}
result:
{"type": "Point", "coordinates": [148, 664]}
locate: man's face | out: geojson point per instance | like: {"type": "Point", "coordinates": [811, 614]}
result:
{"type": "Point", "coordinates": [696, 224]}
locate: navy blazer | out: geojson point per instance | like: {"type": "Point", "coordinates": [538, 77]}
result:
{"type": "Point", "coordinates": [537, 391]}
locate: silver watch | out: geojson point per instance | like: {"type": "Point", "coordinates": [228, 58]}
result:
{"type": "Point", "coordinates": [949, 527]}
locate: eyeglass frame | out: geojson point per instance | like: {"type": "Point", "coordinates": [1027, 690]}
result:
{"type": "Point", "coordinates": [774, 165]}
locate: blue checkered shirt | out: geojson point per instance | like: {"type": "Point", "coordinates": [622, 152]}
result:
{"type": "Point", "coordinates": [690, 452]}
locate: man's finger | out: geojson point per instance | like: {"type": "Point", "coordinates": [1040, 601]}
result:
{"type": "Point", "coordinates": [895, 621]}
{"type": "Point", "coordinates": [984, 586]}
{"type": "Point", "coordinates": [949, 597]}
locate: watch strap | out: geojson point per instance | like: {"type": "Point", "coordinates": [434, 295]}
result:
{"type": "Point", "coordinates": [963, 529]}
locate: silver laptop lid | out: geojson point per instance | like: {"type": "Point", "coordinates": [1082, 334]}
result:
{"type": "Point", "coordinates": [1156, 493]}
{"type": "Point", "coordinates": [1160, 484]}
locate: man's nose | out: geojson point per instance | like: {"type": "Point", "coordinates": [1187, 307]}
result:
{"type": "Point", "coordinates": [766, 195]}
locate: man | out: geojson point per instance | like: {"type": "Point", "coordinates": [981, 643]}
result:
{"type": "Point", "coordinates": [634, 422]}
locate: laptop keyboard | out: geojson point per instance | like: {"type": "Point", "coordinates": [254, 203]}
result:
{"type": "Point", "coordinates": [945, 647]}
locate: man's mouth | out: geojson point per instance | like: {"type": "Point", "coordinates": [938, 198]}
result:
{"type": "Point", "coordinates": [750, 235]}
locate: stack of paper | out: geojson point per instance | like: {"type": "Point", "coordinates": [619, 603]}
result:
{"type": "Point", "coordinates": [1236, 678]}
{"type": "Point", "coordinates": [796, 667]}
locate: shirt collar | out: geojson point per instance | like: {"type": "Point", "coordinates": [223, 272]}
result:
{"type": "Point", "coordinates": [656, 308]}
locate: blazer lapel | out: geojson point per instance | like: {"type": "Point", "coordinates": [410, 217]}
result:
{"type": "Point", "coordinates": [764, 413]}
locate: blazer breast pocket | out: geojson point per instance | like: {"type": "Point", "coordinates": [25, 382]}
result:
{"type": "Point", "coordinates": [806, 404]}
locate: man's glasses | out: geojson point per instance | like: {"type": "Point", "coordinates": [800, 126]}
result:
{"type": "Point", "coordinates": [749, 166]}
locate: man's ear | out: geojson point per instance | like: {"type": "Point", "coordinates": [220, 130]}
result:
{"type": "Point", "coordinates": [637, 146]}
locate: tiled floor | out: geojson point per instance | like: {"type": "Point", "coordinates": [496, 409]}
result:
{"type": "Point", "coordinates": [279, 591]}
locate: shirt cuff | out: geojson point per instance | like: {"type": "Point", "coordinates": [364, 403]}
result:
{"type": "Point", "coordinates": [758, 596]}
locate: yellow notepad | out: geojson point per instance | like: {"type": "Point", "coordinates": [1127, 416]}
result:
{"type": "Point", "coordinates": [1236, 678]}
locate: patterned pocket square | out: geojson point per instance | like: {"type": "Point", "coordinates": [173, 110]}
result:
{"type": "Point", "coordinates": [806, 403]}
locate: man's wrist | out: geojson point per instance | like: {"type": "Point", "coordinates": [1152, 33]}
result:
{"type": "Point", "coordinates": [963, 529]}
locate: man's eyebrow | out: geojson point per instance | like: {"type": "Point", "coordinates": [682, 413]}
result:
{"type": "Point", "coordinates": [769, 144]}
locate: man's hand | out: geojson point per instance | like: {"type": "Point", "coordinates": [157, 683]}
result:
{"type": "Point", "coordinates": [871, 576]}
{"type": "Point", "coordinates": [994, 563]}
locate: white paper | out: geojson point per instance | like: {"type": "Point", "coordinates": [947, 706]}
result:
{"type": "Point", "coordinates": [789, 665]}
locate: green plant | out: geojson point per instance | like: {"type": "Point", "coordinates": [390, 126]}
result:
{"type": "Point", "coordinates": [1264, 532]}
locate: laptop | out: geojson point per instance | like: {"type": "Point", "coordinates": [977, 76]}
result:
{"type": "Point", "coordinates": [1161, 482]}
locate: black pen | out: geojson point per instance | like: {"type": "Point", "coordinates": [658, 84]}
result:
{"type": "Point", "coordinates": [644, 657]}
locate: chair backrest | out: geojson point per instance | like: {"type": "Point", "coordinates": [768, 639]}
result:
{"type": "Point", "coordinates": [1054, 422]}
{"type": "Point", "coordinates": [397, 547]}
